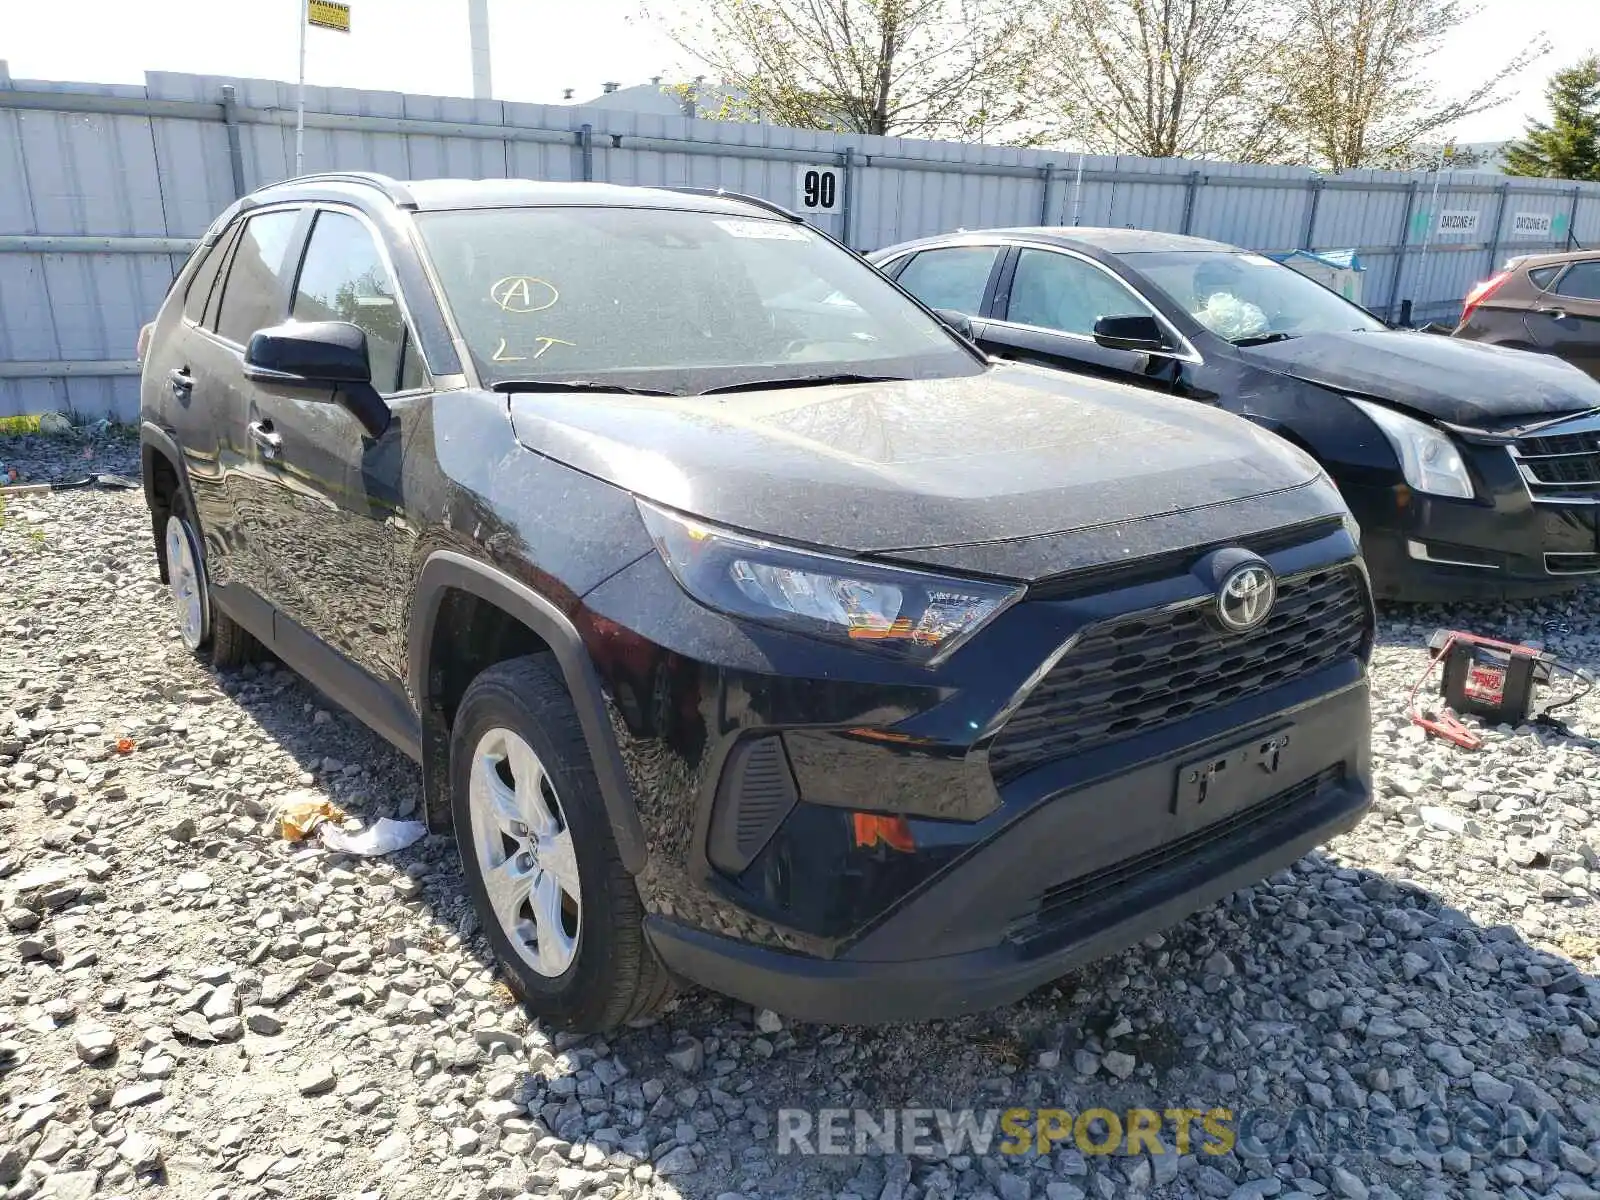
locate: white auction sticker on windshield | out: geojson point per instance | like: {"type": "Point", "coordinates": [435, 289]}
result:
{"type": "Point", "coordinates": [770, 231]}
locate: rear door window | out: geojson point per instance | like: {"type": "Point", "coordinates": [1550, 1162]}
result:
{"type": "Point", "coordinates": [254, 296]}
{"type": "Point", "coordinates": [955, 277]}
{"type": "Point", "coordinates": [343, 278]}
{"type": "Point", "coordinates": [1581, 282]}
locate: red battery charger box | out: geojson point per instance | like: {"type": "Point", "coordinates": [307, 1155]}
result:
{"type": "Point", "coordinates": [1490, 679]}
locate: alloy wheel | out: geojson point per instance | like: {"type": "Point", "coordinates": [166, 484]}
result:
{"type": "Point", "coordinates": [185, 581]}
{"type": "Point", "coordinates": [524, 852]}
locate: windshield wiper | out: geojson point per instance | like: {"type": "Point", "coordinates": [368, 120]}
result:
{"type": "Point", "coordinates": [761, 385]}
{"type": "Point", "coordinates": [574, 385]}
{"type": "Point", "coordinates": [1262, 339]}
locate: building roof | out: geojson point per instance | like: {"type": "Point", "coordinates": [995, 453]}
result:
{"type": "Point", "coordinates": [666, 99]}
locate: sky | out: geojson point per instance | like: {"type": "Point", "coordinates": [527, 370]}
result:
{"type": "Point", "coordinates": [541, 47]}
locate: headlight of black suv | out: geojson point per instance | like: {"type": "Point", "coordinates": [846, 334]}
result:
{"type": "Point", "coordinates": [912, 615]}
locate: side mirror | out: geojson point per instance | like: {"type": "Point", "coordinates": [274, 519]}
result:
{"type": "Point", "coordinates": [318, 354]}
{"type": "Point", "coordinates": [1139, 334]}
{"type": "Point", "coordinates": [958, 321]}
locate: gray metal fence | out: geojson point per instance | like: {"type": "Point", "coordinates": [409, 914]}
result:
{"type": "Point", "coordinates": [103, 190]}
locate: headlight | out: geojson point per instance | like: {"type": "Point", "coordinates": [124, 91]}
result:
{"type": "Point", "coordinates": [911, 615]}
{"type": "Point", "coordinates": [1428, 458]}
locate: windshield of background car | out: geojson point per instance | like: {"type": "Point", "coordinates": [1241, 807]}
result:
{"type": "Point", "coordinates": [1245, 296]}
{"type": "Point", "coordinates": [674, 301]}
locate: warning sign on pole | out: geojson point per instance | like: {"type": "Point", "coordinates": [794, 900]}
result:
{"type": "Point", "coordinates": [328, 14]}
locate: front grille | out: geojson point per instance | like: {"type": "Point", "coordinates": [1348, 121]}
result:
{"type": "Point", "coordinates": [1138, 674]}
{"type": "Point", "coordinates": [1564, 466]}
{"type": "Point", "coordinates": [1082, 902]}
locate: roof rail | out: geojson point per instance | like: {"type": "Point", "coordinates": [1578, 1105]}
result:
{"type": "Point", "coordinates": [742, 197]}
{"type": "Point", "coordinates": [392, 188]}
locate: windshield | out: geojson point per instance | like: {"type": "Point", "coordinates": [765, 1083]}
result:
{"type": "Point", "coordinates": [682, 302]}
{"type": "Point", "coordinates": [1248, 298]}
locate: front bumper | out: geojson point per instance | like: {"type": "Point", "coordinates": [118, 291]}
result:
{"type": "Point", "coordinates": [1501, 545]}
{"type": "Point", "coordinates": [821, 813]}
{"type": "Point", "coordinates": [1032, 903]}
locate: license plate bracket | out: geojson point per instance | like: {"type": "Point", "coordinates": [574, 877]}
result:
{"type": "Point", "coordinates": [1225, 778]}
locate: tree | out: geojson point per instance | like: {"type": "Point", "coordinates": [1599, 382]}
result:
{"type": "Point", "coordinates": [920, 68]}
{"type": "Point", "coordinates": [1569, 146]}
{"type": "Point", "coordinates": [1358, 94]}
{"type": "Point", "coordinates": [1166, 78]}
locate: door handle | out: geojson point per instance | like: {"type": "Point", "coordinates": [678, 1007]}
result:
{"type": "Point", "coordinates": [269, 443]}
{"type": "Point", "coordinates": [1555, 314]}
{"type": "Point", "coordinates": [181, 381]}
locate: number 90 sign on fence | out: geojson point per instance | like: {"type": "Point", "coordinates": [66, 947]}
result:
{"type": "Point", "coordinates": [817, 188]}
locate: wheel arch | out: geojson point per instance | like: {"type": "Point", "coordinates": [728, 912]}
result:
{"type": "Point", "coordinates": [447, 573]}
{"type": "Point", "coordinates": [162, 467]}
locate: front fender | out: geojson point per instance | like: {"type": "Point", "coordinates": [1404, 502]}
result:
{"type": "Point", "coordinates": [447, 569]}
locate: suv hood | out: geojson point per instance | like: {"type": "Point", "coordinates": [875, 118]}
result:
{"type": "Point", "coordinates": [1011, 453]}
{"type": "Point", "coordinates": [1466, 383]}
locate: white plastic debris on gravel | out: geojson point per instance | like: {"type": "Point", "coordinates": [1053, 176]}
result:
{"type": "Point", "coordinates": [383, 836]}
{"type": "Point", "coordinates": [191, 1005]}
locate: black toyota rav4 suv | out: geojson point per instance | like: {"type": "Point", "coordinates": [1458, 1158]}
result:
{"type": "Point", "coordinates": [749, 626]}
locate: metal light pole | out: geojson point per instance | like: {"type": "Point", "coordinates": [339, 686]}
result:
{"type": "Point", "coordinates": [301, 8]}
{"type": "Point", "coordinates": [1433, 217]}
{"type": "Point", "coordinates": [478, 28]}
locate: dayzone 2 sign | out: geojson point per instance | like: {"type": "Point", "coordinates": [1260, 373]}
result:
{"type": "Point", "coordinates": [1532, 225]}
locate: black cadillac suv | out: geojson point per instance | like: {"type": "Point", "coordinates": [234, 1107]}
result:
{"type": "Point", "coordinates": [748, 625]}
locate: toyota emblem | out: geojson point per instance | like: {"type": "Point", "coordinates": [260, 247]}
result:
{"type": "Point", "coordinates": [1245, 598]}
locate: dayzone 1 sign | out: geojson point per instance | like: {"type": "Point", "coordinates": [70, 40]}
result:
{"type": "Point", "coordinates": [1532, 225]}
{"type": "Point", "coordinates": [1458, 221]}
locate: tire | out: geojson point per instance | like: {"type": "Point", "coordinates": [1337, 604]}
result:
{"type": "Point", "coordinates": [567, 923]}
{"type": "Point", "coordinates": [205, 629]}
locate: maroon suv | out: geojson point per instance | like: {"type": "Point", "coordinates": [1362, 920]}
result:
{"type": "Point", "coordinates": [1544, 302]}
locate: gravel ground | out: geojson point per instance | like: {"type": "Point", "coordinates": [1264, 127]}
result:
{"type": "Point", "coordinates": [189, 1003]}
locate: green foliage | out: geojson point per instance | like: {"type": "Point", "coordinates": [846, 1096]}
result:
{"type": "Point", "coordinates": [1568, 147]}
{"type": "Point", "coordinates": [911, 68]}
{"type": "Point", "coordinates": [1167, 78]}
{"type": "Point", "coordinates": [1337, 84]}
{"type": "Point", "coordinates": [1358, 81]}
